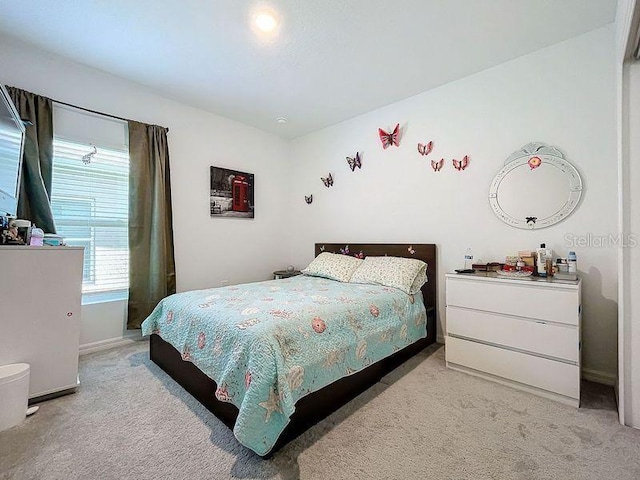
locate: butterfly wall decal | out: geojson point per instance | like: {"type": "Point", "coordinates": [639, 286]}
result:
{"type": "Point", "coordinates": [437, 166]}
{"type": "Point", "coordinates": [411, 250]}
{"type": "Point", "coordinates": [359, 255]}
{"type": "Point", "coordinates": [389, 139]}
{"type": "Point", "coordinates": [354, 162]}
{"type": "Point", "coordinates": [425, 149]}
{"type": "Point", "coordinates": [328, 181]}
{"type": "Point", "coordinates": [461, 164]}
{"type": "Point", "coordinates": [308, 199]}
{"type": "Point", "coordinates": [345, 250]}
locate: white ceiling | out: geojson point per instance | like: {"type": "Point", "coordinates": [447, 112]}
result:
{"type": "Point", "coordinates": [332, 59]}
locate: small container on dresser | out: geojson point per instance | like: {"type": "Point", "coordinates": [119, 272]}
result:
{"type": "Point", "coordinates": [523, 333]}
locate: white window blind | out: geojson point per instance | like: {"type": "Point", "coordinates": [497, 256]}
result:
{"type": "Point", "coordinates": [9, 158]}
{"type": "Point", "coordinates": [90, 206]}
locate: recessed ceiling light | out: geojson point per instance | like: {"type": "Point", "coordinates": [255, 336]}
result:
{"type": "Point", "coordinates": [281, 120]}
{"type": "Point", "coordinates": [265, 22]}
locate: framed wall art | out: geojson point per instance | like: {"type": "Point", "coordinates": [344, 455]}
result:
{"type": "Point", "coordinates": [232, 193]}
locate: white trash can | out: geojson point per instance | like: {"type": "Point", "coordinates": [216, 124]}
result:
{"type": "Point", "coordinates": [14, 394]}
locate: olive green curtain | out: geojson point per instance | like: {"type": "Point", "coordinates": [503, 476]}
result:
{"type": "Point", "coordinates": [34, 200]}
{"type": "Point", "coordinates": [152, 274]}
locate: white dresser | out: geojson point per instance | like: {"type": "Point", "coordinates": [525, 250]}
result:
{"type": "Point", "coordinates": [40, 294]}
{"type": "Point", "coordinates": [520, 332]}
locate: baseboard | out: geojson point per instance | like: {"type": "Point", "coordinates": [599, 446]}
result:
{"type": "Point", "coordinates": [107, 344]}
{"type": "Point", "coordinates": [598, 376]}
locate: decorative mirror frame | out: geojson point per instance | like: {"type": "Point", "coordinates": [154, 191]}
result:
{"type": "Point", "coordinates": [521, 157]}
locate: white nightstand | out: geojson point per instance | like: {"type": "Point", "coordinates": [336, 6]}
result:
{"type": "Point", "coordinates": [521, 332]}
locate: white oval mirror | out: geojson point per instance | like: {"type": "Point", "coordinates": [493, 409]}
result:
{"type": "Point", "coordinates": [537, 187]}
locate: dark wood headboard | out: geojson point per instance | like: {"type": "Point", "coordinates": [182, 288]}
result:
{"type": "Point", "coordinates": [422, 251]}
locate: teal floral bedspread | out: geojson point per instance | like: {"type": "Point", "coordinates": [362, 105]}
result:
{"type": "Point", "coordinates": [268, 344]}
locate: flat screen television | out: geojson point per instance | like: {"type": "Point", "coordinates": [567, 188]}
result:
{"type": "Point", "coordinates": [11, 145]}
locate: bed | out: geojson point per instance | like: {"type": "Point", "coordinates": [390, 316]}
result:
{"type": "Point", "coordinates": [286, 353]}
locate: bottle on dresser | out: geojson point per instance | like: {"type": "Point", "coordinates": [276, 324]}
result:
{"type": "Point", "coordinates": [572, 260]}
{"type": "Point", "coordinates": [468, 258]}
{"type": "Point", "coordinates": [544, 260]}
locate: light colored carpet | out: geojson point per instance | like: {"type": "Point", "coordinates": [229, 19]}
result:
{"type": "Point", "coordinates": [129, 420]}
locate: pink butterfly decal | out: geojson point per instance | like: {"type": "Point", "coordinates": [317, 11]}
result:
{"type": "Point", "coordinates": [389, 139]}
{"type": "Point", "coordinates": [328, 181]}
{"type": "Point", "coordinates": [359, 255]}
{"type": "Point", "coordinates": [437, 166]}
{"type": "Point", "coordinates": [425, 149]}
{"type": "Point", "coordinates": [354, 162]}
{"type": "Point", "coordinates": [345, 250]}
{"type": "Point", "coordinates": [461, 164]}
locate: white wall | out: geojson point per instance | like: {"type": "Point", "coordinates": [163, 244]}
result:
{"type": "Point", "coordinates": [563, 95]}
{"type": "Point", "coordinates": [208, 251]}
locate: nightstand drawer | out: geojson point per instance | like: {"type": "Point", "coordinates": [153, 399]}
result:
{"type": "Point", "coordinates": [556, 341]}
{"type": "Point", "coordinates": [555, 305]}
{"type": "Point", "coordinates": [549, 375]}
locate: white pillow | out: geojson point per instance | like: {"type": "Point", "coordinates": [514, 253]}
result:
{"type": "Point", "coordinates": [406, 274]}
{"type": "Point", "coordinates": [333, 266]}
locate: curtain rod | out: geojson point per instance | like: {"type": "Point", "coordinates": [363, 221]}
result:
{"type": "Point", "coordinates": [96, 112]}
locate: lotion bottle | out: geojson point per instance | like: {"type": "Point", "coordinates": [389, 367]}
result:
{"type": "Point", "coordinates": [542, 254]}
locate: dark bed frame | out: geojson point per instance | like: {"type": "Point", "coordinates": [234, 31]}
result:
{"type": "Point", "coordinates": [318, 405]}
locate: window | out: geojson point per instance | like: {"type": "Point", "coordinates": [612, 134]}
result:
{"type": "Point", "coordinates": [90, 206]}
